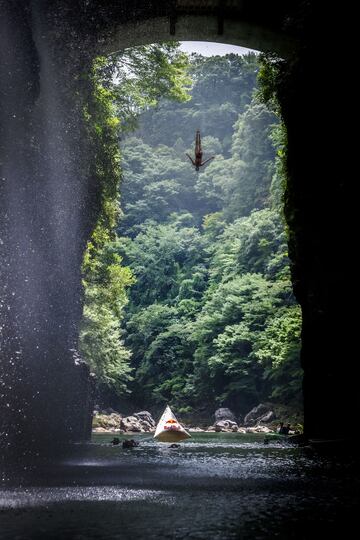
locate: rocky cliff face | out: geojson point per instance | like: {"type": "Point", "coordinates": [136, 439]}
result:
{"type": "Point", "coordinates": [317, 207]}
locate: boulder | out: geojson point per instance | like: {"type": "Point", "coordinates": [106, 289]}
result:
{"type": "Point", "coordinates": [146, 421]}
{"type": "Point", "coordinates": [256, 415]}
{"type": "Point", "coordinates": [145, 416]}
{"type": "Point", "coordinates": [145, 426]}
{"type": "Point", "coordinates": [224, 414]}
{"type": "Point", "coordinates": [107, 421]}
{"type": "Point", "coordinates": [268, 417]}
{"type": "Point", "coordinates": [131, 423]}
{"type": "Point", "coordinates": [262, 429]}
{"type": "Point", "coordinates": [259, 429]}
{"type": "Point", "coordinates": [226, 425]}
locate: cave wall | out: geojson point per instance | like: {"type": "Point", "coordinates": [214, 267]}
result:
{"type": "Point", "coordinates": [313, 90]}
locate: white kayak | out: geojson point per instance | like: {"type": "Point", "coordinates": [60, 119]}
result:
{"type": "Point", "coordinates": [169, 429]}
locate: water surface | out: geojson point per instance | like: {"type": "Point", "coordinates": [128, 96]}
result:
{"type": "Point", "coordinates": [215, 486]}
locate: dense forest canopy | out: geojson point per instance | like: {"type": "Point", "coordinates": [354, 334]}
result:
{"type": "Point", "coordinates": [191, 301]}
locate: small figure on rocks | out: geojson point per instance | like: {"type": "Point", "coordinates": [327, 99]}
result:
{"type": "Point", "coordinates": [284, 430]}
{"type": "Point", "coordinates": [287, 429]}
{"type": "Point", "coordinates": [130, 443]}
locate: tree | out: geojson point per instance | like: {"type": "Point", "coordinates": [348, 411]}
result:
{"type": "Point", "coordinates": [101, 337]}
{"type": "Point", "coordinates": [161, 257]}
{"type": "Point", "coordinates": [211, 318]}
{"type": "Point", "coordinates": [208, 249]}
{"type": "Point", "coordinates": [123, 85]}
{"type": "Point", "coordinates": [253, 161]}
{"type": "Point", "coordinates": [277, 350]}
{"type": "Point", "coordinates": [139, 76]}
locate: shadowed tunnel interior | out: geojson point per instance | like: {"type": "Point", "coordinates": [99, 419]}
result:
{"type": "Point", "coordinates": [50, 197]}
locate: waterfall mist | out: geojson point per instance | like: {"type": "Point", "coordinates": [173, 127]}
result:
{"type": "Point", "coordinates": [45, 388]}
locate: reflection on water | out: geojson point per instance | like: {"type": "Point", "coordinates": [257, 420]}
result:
{"type": "Point", "coordinates": [215, 486]}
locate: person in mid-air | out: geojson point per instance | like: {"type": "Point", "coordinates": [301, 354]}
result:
{"type": "Point", "coordinates": [198, 162]}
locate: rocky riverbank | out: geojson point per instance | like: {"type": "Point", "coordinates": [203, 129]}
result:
{"type": "Point", "coordinates": [114, 422]}
{"type": "Point", "coordinates": [261, 419]}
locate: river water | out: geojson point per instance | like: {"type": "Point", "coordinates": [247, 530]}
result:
{"type": "Point", "coordinates": [215, 486]}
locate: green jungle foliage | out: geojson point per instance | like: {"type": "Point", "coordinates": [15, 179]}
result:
{"type": "Point", "coordinates": [121, 86]}
{"type": "Point", "coordinates": [209, 318]}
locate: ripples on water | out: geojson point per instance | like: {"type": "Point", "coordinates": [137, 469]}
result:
{"type": "Point", "coordinates": [216, 486]}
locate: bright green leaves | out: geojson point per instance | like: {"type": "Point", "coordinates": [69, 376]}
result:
{"type": "Point", "coordinates": [161, 257]}
{"type": "Point", "coordinates": [122, 86]}
{"type": "Point", "coordinates": [211, 317]}
{"type": "Point", "coordinates": [252, 244]}
{"type": "Point", "coordinates": [101, 337]}
{"type": "Point", "coordinates": [277, 349]}
{"type": "Point", "coordinates": [140, 76]}
{"type": "Point", "coordinates": [213, 301]}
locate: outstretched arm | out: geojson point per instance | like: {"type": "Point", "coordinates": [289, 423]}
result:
{"type": "Point", "coordinates": [191, 159]}
{"type": "Point", "coordinates": [206, 160]}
